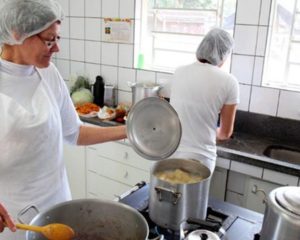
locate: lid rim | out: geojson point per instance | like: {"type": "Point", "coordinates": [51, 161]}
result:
{"type": "Point", "coordinates": [284, 196]}
{"type": "Point", "coordinates": [136, 114]}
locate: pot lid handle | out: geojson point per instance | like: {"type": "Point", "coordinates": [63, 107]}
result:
{"type": "Point", "coordinates": [289, 199]}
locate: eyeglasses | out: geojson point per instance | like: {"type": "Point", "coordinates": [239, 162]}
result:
{"type": "Point", "coordinates": [49, 43]}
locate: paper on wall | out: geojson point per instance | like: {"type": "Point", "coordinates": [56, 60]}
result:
{"type": "Point", "coordinates": [117, 30]}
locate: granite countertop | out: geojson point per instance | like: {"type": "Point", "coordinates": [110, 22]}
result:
{"type": "Point", "coordinates": [250, 139]}
{"type": "Point", "coordinates": [247, 148]}
{"type": "Point", "coordinates": [254, 133]}
{"type": "Point", "coordinates": [97, 121]}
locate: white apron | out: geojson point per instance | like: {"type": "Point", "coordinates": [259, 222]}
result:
{"type": "Point", "coordinates": [32, 171]}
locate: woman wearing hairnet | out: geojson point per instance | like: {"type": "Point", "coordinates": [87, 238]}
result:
{"type": "Point", "coordinates": [36, 112]}
{"type": "Point", "coordinates": [200, 93]}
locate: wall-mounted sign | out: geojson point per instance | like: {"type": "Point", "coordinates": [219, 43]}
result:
{"type": "Point", "coordinates": [118, 30]}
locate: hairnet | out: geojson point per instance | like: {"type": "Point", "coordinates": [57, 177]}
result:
{"type": "Point", "coordinates": [215, 46]}
{"type": "Point", "coordinates": [20, 19]}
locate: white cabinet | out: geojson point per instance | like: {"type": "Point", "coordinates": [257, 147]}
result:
{"type": "Point", "coordinates": [235, 191]}
{"type": "Point", "coordinates": [256, 192]}
{"type": "Point", "coordinates": [74, 157]}
{"type": "Point", "coordinates": [113, 168]}
{"type": "Point", "coordinates": [246, 191]}
{"type": "Point", "coordinates": [218, 183]}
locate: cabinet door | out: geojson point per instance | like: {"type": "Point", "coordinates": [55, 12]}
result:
{"type": "Point", "coordinates": [218, 183]}
{"type": "Point", "coordinates": [257, 190]}
{"type": "Point", "coordinates": [105, 188]}
{"type": "Point", "coordinates": [108, 177]}
{"type": "Point", "coordinates": [122, 153]}
{"type": "Point", "coordinates": [115, 170]}
{"type": "Point", "coordinates": [74, 157]}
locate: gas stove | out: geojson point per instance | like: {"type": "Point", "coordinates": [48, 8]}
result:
{"type": "Point", "coordinates": [228, 221]}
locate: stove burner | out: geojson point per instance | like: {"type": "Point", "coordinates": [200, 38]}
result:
{"type": "Point", "coordinates": [214, 221]}
{"type": "Point", "coordinates": [222, 218]}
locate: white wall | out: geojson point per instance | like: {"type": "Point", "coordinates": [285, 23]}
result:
{"type": "Point", "coordinates": [83, 51]}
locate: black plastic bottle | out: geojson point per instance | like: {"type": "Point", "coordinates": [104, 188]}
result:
{"type": "Point", "coordinates": [99, 91]}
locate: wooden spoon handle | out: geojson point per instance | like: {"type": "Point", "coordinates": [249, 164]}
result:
{"type": "Point", "coordinates": [29, 227]}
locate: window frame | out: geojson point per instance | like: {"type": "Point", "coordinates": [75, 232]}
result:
{"type": "Point", "coordinates": [140, 57]}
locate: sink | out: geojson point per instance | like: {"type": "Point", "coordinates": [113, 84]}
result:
{"type": "Point", "coordinates": [284, 153]}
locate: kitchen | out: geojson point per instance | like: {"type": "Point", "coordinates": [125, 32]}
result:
{"type": "Point", "coordinates": [115, 63]}
{"type": "Point", "coordinates": [83, 51]}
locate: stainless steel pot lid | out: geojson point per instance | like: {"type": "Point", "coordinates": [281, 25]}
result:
{"type": "Point", "coordinates": [289, 198]}
{"type": "Point", "coordinates": [153, 128]}
{"type": "Point", "coordinates": [202, 234]}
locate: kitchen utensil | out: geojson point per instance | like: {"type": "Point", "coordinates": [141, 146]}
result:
{"type": "Point", "coordinates": [153, 128]}
{"type": "Point", "coordinates": [207, 230]}
{"type": "Point", "coordinates": [93, 219]}
{"type": "Point", "coordinates": [143, 90]}
{"type": "Point", "coordinates": [53, 231]}
{"type": "Point", "coordinates": [202, 235]}
{"type": "Point", "coordinates": [282, 215]}
{"type": "Point", "coordinates": [109, 95]}
{"type": "Point", "coordinates": [177, 202]}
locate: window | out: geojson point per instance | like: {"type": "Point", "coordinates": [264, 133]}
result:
{"type": "Point", "coordinates": [168, 32]}
{"type": "Point", "coordinates": [282, 60]}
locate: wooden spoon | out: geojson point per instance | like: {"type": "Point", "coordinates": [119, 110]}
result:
{"type": "Point", "coordinates": [53, 231]}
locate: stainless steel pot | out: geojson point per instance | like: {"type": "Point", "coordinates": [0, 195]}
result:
{"type": "Point", "coordinates": [143, 90]}
{"type": "Point", "coordinates": [170, 204]}
{"type": "Point", "coordinates": [282, 215]}
{"type": "Point", "coordinates": [94, 219]}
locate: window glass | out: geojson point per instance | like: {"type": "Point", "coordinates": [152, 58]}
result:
{"type": "Point", "coordinates": [282, 62]}
{"type": "Point", "coordinates": [168, 32]}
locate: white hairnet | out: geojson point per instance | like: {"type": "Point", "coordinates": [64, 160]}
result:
{"type": "Point", "coordinates": [20, 19]}
{"type": "Point", "coordinates": [215, 46]}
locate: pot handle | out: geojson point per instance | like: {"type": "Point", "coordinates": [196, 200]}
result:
{"type": "Point", "coordinates": [168, 194]}
{"type": "Point", "coordinates": [25, 211]}
{"type": "Point", "coordinates": [211, 226]}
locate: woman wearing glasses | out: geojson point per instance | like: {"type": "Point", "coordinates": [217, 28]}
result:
{"type": "Point", "coordinates": [36, 112]}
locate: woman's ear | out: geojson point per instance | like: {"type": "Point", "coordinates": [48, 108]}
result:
{"type": "Point", "coordinates": [16, 36]}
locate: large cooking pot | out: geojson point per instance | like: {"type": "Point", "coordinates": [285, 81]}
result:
{"type": "Point", "coordinates": [282, 215]}
{"type": "Point", "coordinates": [94, 219]}
{"type": "Point", "coordinates": [169, 203]}
{"type": "Point", "coordinates": [143, 90]}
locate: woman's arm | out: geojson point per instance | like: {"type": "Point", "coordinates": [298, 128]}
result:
{"type": "Point", "coordinates": [94, 134]}
{"type": "Point", "coordinates": [227, 117]}
{"type": "Point", "coordinates": [6, 220]}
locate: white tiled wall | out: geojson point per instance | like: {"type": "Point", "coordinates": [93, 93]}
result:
{"type": "Point", "coordinates": [84, 51]}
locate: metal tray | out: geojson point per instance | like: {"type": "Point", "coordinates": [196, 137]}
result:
{"type": "Point", "coordinates": [153, 128]}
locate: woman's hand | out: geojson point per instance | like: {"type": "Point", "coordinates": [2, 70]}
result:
{"type": "Point", "coordinates": [6, 220]}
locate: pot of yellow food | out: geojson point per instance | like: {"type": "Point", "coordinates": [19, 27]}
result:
{"type": "Point", "coordinates": [179, 190]}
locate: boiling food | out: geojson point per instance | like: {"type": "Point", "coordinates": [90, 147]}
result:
{"type": "Point", "coordinates": [178, 176]}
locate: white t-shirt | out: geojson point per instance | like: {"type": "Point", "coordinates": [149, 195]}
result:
{"type": "Point", "coordinates": [198, 93]}
{"type": "Point", "coordinates": [37, 114]}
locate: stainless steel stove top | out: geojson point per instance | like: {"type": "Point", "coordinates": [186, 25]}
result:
{"type": "Point", "coordinates": [238, 223]}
